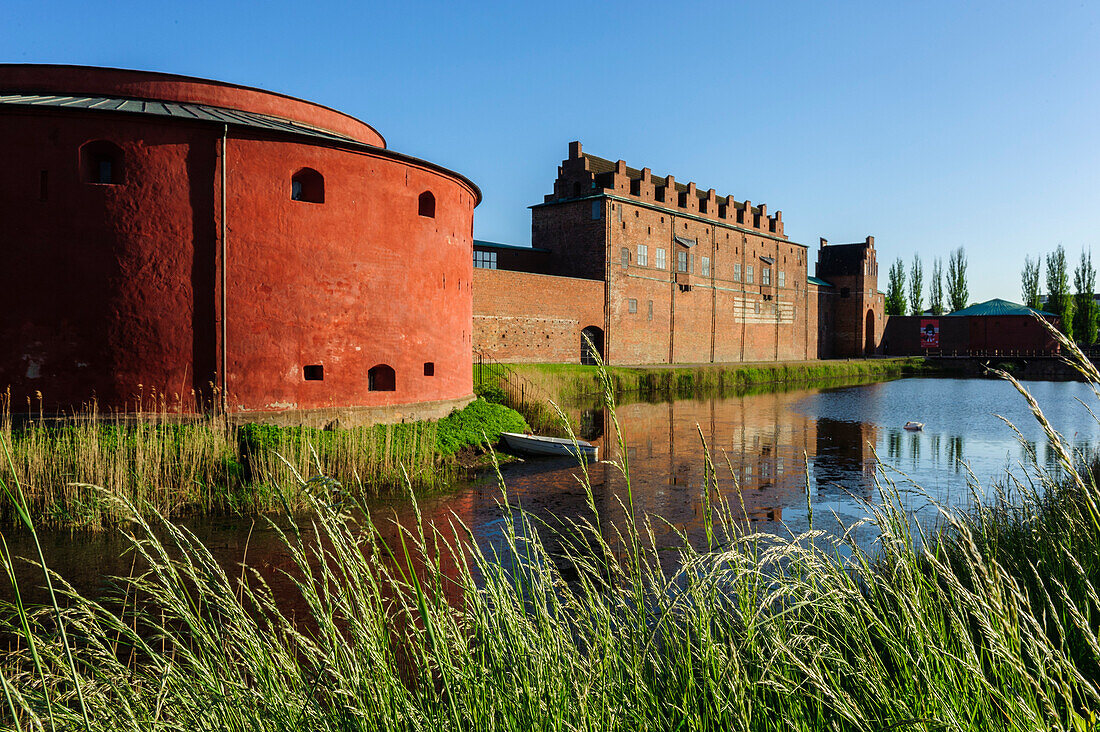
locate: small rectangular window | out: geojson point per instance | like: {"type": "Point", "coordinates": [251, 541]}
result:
{"type": "Point", "coordinates": [737, 272]}
{"type": "Point", "coordinates": [643, 255]}
{"type": "Point", "coordinates": [766, 276]}
{"type": "Point", "coordinates": [660, 263]}
{"type": "Point", "coordinates": [314, 372]}
{"type": "Point", "coordinates": [748, 273]}
{"type": "Point", "coordinates": [782, 278]}
{"type": "Point", "coordinates": [429, 368]}
{"type": "Point", "coordinates": [649, 316]}
{"type": "Point", "coordinates": [681, 261]}
{"type": "Point", "coordinates": [632, 305]}
{"type": "Point", "coordinates": [597, 209]}
{"type": "Point", "coordinates": [485, 260]}
{"type": "Point", "coordinates": [704, 263]}
{"type": "Point", "coordinates": [624, 256]}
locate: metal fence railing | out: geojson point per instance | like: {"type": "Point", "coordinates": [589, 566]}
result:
{"type": "Point", "coordinates": [994, 353]}
{"type": "Point", "coordinates": [519, 393]}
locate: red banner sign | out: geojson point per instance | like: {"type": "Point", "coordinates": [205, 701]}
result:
{"type": "Point", "coordinates": [929, 333]}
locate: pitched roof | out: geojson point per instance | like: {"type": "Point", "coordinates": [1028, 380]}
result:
{"type": "Point", "coordinates": [997, 306]}
{"type": "Point", "coordinates": [600, 165]}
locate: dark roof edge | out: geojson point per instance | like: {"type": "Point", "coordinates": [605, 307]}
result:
{"type": "Point", "coordinates": [499, 245]}
{"type": "Point", "coordinates": [673, 212]}
{"type": "Point", "coordinates": [182, 77]}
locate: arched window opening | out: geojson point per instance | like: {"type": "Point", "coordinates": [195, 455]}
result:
{"type": "Point", "coordinates": [307, 185]}
{"type": "Point", "coordinates": [381, 378]}
{"type": "Point", "coordinates": [426, 204]}
{"type": "Point", "coordinates": [591, 345]}
{"type": "Point", "coordinates": [102, 163]}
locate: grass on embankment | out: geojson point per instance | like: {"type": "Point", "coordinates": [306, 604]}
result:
{"type": "Point", "coordinates": [573, 381]}
{"type": "Point", "coordinates": [202, 467]}
{"type": "Point", "coordinates": [969, 630]}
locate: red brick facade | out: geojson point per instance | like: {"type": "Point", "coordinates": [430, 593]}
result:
{"type": "Point", "coordinates": [521, 317]}
{"type": "Point", "coordinates": [680, 275]}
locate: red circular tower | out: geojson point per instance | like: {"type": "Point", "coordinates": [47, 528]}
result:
{"type": "Point", "coordinates": [220, 244]}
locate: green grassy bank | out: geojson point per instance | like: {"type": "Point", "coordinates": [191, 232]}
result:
{"type": "Point", "coordinates": [990, 623]}
{"type": "Point", "coordinates": [74, 470]}
{"type": "Point", "coordinates": [573, 381]}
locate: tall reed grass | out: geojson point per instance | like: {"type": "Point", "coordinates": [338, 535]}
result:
{"type": "Point", "coordinates": [202, 465]}
{"type": "Point", "coordinates": [961, 629]}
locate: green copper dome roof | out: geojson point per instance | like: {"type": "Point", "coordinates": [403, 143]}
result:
{"type": "Point", "coordinates": [998, 307]}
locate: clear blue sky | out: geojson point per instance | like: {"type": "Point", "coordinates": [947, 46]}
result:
{"type": "Point", "coordinates": [929, 125]}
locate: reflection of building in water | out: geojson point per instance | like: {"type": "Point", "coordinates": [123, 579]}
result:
{"type": "Point", "coordinates": [758, 445]}
{"type": "Point", "coordinates": [850, 449]}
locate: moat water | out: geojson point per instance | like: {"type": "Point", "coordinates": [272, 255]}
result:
{"type": "Point", "coordinates": [771, 450]}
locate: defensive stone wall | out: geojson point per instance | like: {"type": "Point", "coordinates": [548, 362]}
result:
{"type": "Point", "coordinates": [522, 317]}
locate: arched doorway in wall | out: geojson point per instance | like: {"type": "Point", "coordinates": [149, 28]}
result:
{"type": "Point", "coordinates": [589, 352]}
{"type": "Point", "coordinates": [869, 347]}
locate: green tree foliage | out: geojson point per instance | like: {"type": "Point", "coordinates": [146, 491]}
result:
{"type": "Point", "coordinates": [1029, 282]}
{"type": "Point", "coordinates": [935, 287]}
{"type": "Point", "coordinates": [957, 291]}
{"type": "Point", "coordinates": [916, 287]}
{"type": "Point", "coordinates": [895, 289]}
{"type": "Point", "coordinates": [1084, 307]}
{"type": "Point", "coordinates": [1059, 301]}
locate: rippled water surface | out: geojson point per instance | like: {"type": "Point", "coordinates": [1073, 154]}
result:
{"type": "Point", "coordinates": [767, 447]}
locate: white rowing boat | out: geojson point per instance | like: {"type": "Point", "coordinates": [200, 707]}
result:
{"type": "Point", "coordinates": [914, 426]}
{"type": "Point", "coordinates": [538, 445]}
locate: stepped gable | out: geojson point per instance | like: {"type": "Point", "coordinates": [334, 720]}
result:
{"type": "Point", "coordinates": [602, 167]}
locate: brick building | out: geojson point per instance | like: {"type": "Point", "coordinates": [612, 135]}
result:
{"type": "Point", "coordinates": [656, 271]}
{"type": "Point", "coordinates": [989, 329]}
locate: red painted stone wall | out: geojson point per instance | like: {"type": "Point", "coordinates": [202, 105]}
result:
{"type": "Point", "coordinates": [357, 281]}
{"type": "Point", "coordinates": [107, 287]}
{"type": "Point", "coordinates": [114, 291]}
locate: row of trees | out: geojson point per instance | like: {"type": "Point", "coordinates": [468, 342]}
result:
{"type": "Point", "coordinates": [1078, 311]}
{"type": "Point", "coordinates": [898, 297]}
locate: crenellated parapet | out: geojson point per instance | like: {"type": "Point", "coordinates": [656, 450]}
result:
{"type": "Point", "coordinates": [581, 175]}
